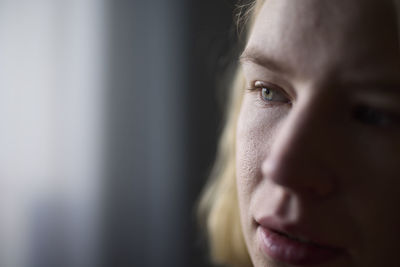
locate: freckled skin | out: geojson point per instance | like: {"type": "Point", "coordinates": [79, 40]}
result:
{"type": "Point", "coordinates": [312, 160]}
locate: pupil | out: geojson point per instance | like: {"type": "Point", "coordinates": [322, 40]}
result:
{"type": "Point", "coordinates": [266, 91]}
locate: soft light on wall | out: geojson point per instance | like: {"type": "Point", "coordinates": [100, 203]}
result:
{"type": "Point", "coordinates": [51, 105]}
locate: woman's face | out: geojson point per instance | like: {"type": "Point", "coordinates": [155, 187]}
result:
{"type": "Point", "coordinates": [318, 137]}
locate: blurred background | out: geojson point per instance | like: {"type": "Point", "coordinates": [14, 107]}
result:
{"type": "Point", "coordinates": [109, 113]}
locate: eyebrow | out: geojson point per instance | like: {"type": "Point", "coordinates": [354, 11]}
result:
{"type": "Point", "coordinates": [254, 56]}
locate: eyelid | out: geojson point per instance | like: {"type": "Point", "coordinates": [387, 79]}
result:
{"type": "Point", "coordinates": [258, 85]}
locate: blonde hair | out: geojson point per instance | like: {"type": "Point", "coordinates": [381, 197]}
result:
{"type": "Point", "coordinates": [219, 207]}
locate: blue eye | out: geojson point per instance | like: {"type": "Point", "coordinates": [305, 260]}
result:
{"type": "Point", "coordinates": [376, 117]}
{"type": "Point", "coordinates": [269, 93]}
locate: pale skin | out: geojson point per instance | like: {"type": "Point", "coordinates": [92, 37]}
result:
{"type": "Point", "coordinates": [321, 146]}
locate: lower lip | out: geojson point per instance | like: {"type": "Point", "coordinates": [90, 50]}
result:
{"type": "Point", "coordinates": [287, 250]}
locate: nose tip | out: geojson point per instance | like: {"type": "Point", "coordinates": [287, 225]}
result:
{"type": "Point", "coordinates": [307, 178]}
{"type": "Point", "coordinates": [300, 161]}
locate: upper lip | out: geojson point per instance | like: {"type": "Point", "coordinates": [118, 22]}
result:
{"type": "Point", "coordinates": [297, 230]}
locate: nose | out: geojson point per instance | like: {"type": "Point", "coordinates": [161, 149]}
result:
{"type": "Point", "coordinates": [301, 158]}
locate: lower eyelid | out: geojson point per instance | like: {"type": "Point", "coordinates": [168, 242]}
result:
{"type": "Point", "coordinates": [278, 95]}
{"type": "Point", "coordinates": [259, 101]}
{"type": "Point", "coordinates": [281, 97]}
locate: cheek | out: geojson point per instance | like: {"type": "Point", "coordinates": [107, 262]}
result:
{"type": "Point", "coordinates": [255, 133]}
{"type": "Point", "coordinates": [374, 191]}
{"type": "Point", "coordinates": [372, 174]}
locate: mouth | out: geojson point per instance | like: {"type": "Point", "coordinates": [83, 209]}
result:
{"type": "Point", "coordinates": [296, 238]}
{"type": "Point", "coordinates": [293, 249]}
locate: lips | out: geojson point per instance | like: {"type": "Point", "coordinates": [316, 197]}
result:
{"type": "Point", "coordinates": [284, 244]}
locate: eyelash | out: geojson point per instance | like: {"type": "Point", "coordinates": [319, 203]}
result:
{"type": "Point", "coordinates": [266, 88]}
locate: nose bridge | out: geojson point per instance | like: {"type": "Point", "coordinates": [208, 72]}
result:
{"type": "Point", "coordinates": [297, 158]}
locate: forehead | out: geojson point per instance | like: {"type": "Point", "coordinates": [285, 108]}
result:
{"type": "Point", "coordinates": [310, 36]}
